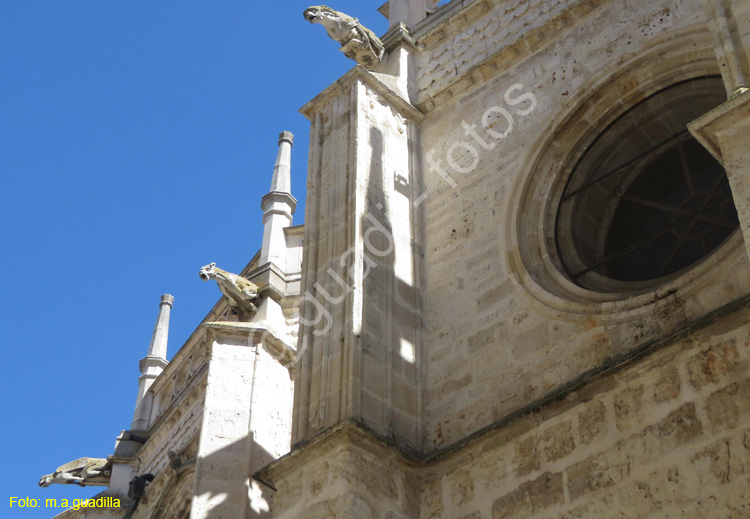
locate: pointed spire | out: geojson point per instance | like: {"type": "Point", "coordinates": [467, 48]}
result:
{"type": "Point", "coordinates": [158, 347]}
{"type": "Point", "coordinates": [282, 171]}
{"type": "Point", "coordinates": [278, 206]}
{"type": "Point", "coordinates": [152, 365]}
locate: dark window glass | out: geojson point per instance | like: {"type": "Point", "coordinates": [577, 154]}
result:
{"type": "Point", "coordinates": [646, 200]}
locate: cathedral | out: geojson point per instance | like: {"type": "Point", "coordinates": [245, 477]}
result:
{"type": "Point", "coordinates": [521, 290]}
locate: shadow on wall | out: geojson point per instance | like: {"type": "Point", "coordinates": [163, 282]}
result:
{"type": "Point", "coordinates": [391, 318]}
{"type": "Point", "coordinates": [213, 486]}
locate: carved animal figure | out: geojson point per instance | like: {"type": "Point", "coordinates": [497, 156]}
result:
{"type": "Point", "coordinates": [242, 295]}
{"type": "Point", "coordinates": [83, 471]}
{"type": "Point", "coordinates": [357, 42]}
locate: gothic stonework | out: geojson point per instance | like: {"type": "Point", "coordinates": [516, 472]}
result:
{"type": "Point", "coordinates": [357, 42]}
{"type": "Point", "coordinates": [474, 332]}
{"type": "Point", "coordinates": [241, 294]}
{"type": "Point", "coordinates": [83, 472]}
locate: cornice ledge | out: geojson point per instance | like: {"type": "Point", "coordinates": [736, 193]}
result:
{"type": "Point", "coordinates": [271, 281]}
{"type": "Point", "coordinates": [399, 35]}
{"type": "Point", "coordinates": [376, 81]}
{"type": "Point", "coordinates": [348, 432]}
{"type": "Point", "coordinates": [706, 129]}
{"type": "Point", "coordinates": [253, 334]}
{"type": "Point", "coordinates": [451, 13]}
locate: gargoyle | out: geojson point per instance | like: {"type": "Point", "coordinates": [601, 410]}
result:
{"type": "Point", "coordinates": [242, 295]}
{"type": "Point", "coordinates": [357, 42]}
{"type": "Point", "coordinates": [83, 472]}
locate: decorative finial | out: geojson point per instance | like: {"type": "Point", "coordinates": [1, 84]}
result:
{"type": "Point", "coordinates": [159, 339]}
{"type": "Point", "coordinates": [286, 137]}
{"type": "Point", "coordinates": [357, 42]}
{"type": "Point", "coordinates": [282, 171]}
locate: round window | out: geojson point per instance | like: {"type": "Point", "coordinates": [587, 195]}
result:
{"type": "Point", "coordinates": [646, 200]}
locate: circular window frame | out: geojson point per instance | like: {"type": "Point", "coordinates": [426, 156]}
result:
{"type": "Point", "coordinates": [531, 256]}
{"type": "Point", "coordinates": [589, 279]}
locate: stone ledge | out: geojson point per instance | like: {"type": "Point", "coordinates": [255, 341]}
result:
{"type": "Point", "coordinates": [453, 14]}
{"type": "Point", "coordinates": [345, 433]}
{"type": "Point", "coordinates": [271, 281]}
{"type": "Point", "coordinates": [283, 352]}
{"type": "Point", "coordinates": [266, 203]}
{"type": "Point", "coordinates": [727, 116]}
{"type": "Point", "coordinates": [399, 35]}
{"type": "Point", "coordinates": [360, 73]}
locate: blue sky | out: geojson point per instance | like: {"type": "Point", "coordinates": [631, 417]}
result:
{"type": "Point", "coordinates": [136, 141]}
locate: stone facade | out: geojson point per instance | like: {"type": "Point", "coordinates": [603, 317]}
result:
{"type": "Point", "coordinates": [663, 436]}
{"type": "Point", "coordinates": [443, 361]}
{"type": "Point", "coordinates": [537, 397]}
{"type": "Point", "coordinates": [490, 225]}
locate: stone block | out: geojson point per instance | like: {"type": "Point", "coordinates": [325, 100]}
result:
{"type": "Point", "coordinates": [461, 487]}
{"type": "Point", "coordinates": [712, 464]}
{"type": "Point", "coordinates": [629, 408]}
{"type": "Point", "coordinates": [288, 493]}
{"type": "Point", "coordinates": [432, 500]}
{"type": "Point", "coordinates": [526, 456]}
{"type": "Point", "coordinates": [531, 342]}
{"type": "Point", "coordinates": [558, 441]}
{"type": "Point", "coordinates": [319, 478]}
{"type": "Point", "coordinates": [530, 497]}
{"type": "Point", "coordinates": [494, 294]}
{"type": "Point", "coordinates": [597, 472]}
{"type": "Point", "coordinates": [711, 364]}
{"type": "Point", "coordinates": [362, 470]}
{"type": "Point", "coordinates": [457, 382]}
{"type": "Point", "coordinates": [373, 409]}
{"type": "Point", "coordinates": [592, 423]}
{"type": "Point", "coordinates": [482, 338]}
{"type": "Point", "coordinates": [669, 486]}
{"type": "Point", "coordinates": [668, 385]}
{"type": "Point", "coordinates": [678, 428]}
{"type": "Point", "coordinates": [727, 406]}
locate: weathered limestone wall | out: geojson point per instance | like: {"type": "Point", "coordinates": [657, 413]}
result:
{"type": "Point", "coordinates": [669, 436]}
{"type": "Point", "coordinates": [483, 28]}
{"type": "Point", "coordinates": [345, 473]}
{"type": "Point", "coordinates": [359, 343]}
{"type": "Point", "coordinates": [246, 423]}
{"type": "Point", "coordinates": [502, 327]}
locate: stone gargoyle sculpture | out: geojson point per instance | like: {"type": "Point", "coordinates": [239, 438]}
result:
{"type": "Point", "coordinates": [357, 42]}
{"type": "Point", "coordinates": [83, 472]}
{"type": "Point", "coordinates": [242, 295]}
